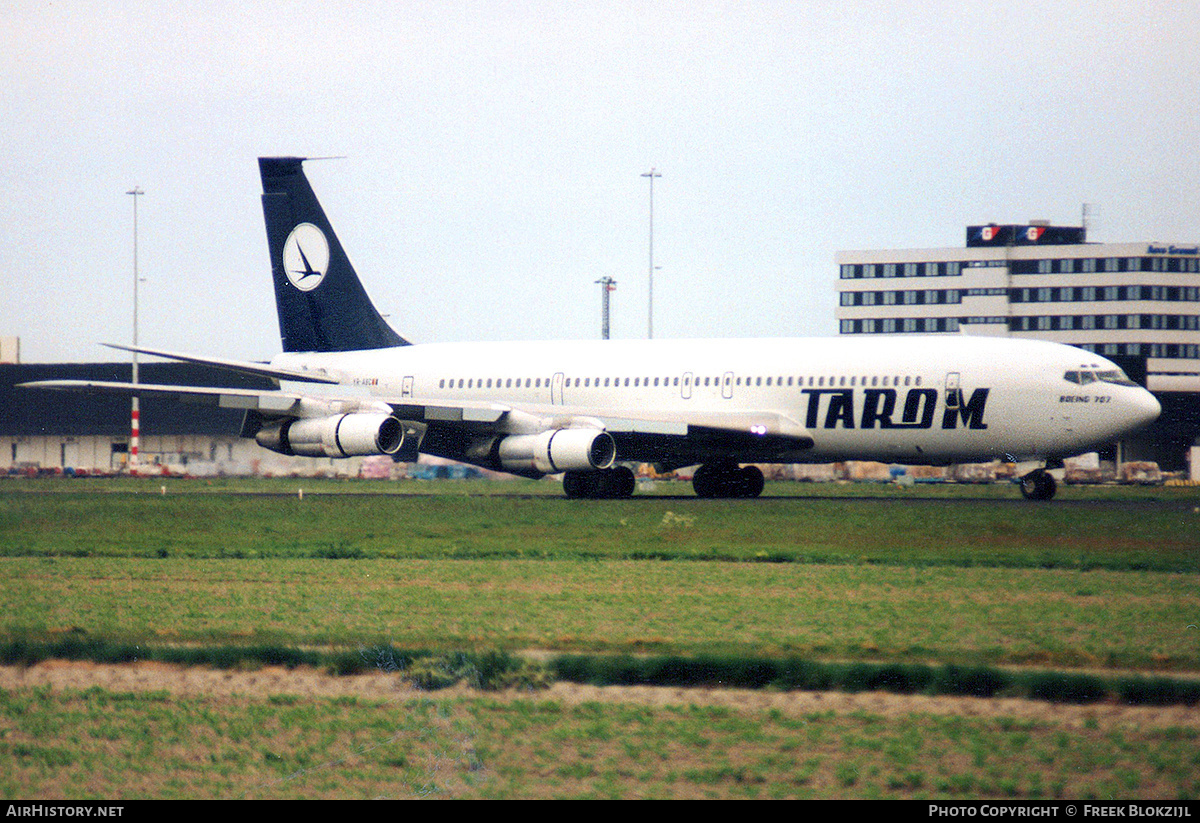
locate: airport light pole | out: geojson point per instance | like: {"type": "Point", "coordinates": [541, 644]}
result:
{"type": "Point", "coordinates": [135, 412]}
{"type": "Point", "coordinates": [650, 309]}
{"type": "Point", "coordinates": [607, 285]}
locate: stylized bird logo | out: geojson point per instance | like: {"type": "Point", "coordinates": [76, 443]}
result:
{"type": "Point", "coordinates": [308, 270]}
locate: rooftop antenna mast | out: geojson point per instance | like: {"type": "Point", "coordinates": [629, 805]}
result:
{"type": "Point", "coordinates": [1085, 220]}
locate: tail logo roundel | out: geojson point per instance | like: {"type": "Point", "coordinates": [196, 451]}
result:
{"type": "Point", "coordinates": [306, 257]}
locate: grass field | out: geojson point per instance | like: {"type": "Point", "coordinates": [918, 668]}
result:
{"type": "Point", "coordinates": [1103, 579]}
{"type": "Point", "coordinates": [111, 745]}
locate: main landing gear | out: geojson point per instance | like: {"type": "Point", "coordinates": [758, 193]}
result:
{"type": "Point", "coordinates": [607, 484]}
{"type": "Point", "coordinates": [1039, 484]}
{"type": "Point", "coordinates": [727, 480]}
{"type": "Point", "coordinates": [712, 480]}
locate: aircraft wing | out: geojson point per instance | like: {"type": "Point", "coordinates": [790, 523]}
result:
{"type": "Point", "coordinates": [242, 366]}
{"type": "Point", "coordinates": [672, 440]}
{"type": "Point", "coordinates": [279, 403]}
{"type": "Point", "coordinates": [758, 423]}
{"type": "Point", "coordinates": [226, 398]}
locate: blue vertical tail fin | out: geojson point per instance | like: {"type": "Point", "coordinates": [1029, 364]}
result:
{"type": "Point", "coordinates": [321, 302]}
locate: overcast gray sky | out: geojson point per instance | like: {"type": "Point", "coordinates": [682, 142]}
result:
{"type": "Point", "coordinates": [494, 152]}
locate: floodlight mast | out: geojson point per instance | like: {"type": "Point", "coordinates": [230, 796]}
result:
{"type": "Point", "coordinates": [135, 412]}
{"type": "Point", "coordinates": [607, 285]}
{"type": "Point", "coordinates": [650, 309]}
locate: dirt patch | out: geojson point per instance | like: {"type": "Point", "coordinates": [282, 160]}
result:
{"type": "Point", "coordinates": [307, 682]}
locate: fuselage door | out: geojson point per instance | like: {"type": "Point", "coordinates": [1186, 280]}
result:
{"type": "Point", "coordinates": [727, 385]}
{"type": "Point", "coordinates": [406, 386]}
{"type": "Point", "coordinates": [686, 387]}
{"type": "Point", "coordinates": [556, 389]}
{"type": "Point", "coordinates": [953, 390]}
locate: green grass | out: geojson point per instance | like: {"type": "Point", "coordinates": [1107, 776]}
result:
{"type": "Point", "coordinates": [943, 590]}
{"type": "Point", "coordinates": [1108, 581]}
{"type": "Point", "coordinates": [976, 526]}
{"type": "Point", "coordinates": [118, 746]}
{"type": "Point", "coordinates": [965, 616]}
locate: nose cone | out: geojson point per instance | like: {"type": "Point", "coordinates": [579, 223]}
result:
{"type": "Point", "coordinates": [1143, 409]}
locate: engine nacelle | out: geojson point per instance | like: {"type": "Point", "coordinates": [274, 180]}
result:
{"type": "Point", "coordinates": [557, 450]}
{"type": "Point", "coordinates": [339, 435]}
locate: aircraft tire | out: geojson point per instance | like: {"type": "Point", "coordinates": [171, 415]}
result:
{"type": "Point", "coordinates": [712, 481]}
{"type": "Point", "coordinates": [619, 482]}
{"type": "Point", "coordinates": [701, 482]}
{"type": "Point", "coordinates": [609, 484]}
{"type": "Point", "coordinates": [716, 480]}
{"type": "Point", "coordinates": [1039, 484]}
{"type": "Point", "coordinates": [575, 485]}
{"type": "Point", "coordinates": [752, 481]}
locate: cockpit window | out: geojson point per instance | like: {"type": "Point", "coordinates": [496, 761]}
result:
{"type": "Point", "coordinates": [1083, 377]}
{"type": "Point", "coordinates": [1115, 376]}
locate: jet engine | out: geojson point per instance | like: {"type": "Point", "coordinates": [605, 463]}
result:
{"type": "Point", "coordinates": [339, 435]}
{"type": "Point", "coordinates": [557, 450]}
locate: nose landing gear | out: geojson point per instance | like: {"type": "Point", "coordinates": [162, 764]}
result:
{"type": "Point", "coordinates": [1039, 484]}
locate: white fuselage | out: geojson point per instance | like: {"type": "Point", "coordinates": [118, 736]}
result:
{"type": "Point", "coordinates": [922, 399]}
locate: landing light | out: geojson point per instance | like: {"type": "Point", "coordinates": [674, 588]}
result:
{"type": "Point", "coordinates": [758, 430]}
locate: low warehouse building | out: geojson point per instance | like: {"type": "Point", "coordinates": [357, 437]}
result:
{"type": "Point", "coordinates": [82, 434]}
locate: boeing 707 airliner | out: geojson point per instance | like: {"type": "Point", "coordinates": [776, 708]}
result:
{"type": "Point", "coordinates": [349, 385]}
